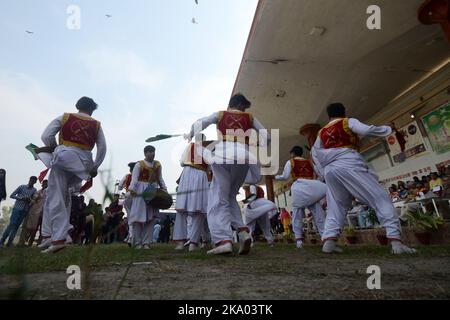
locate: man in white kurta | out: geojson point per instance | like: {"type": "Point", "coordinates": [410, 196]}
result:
{"type": "Point", "coordinates": [192, 197]}
{"type": "Point", "coordinates": [347, 175]}
{"type": "Point", "coordinates": [142, 216]}
{"type": "Point", "coordinates": [124, 184]}
{"type": "Point", "coordinates": [305, 191]}
{"type": "Point", "coordinates": [230, 164]}
{"type": "Point", "coordinates": [259, 211]}
{"type": "Point", "coordinates": [70, 163]}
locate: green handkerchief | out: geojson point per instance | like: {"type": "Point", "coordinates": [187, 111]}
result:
{"type": "Point", "coordinates": [31, 147]}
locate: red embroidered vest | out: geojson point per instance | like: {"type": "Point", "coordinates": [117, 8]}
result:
{"type": "Point", "coordinates": [192, 159]}
{"type": "Point", "coordinates": [338, 135]}
{"type": "Point", "coordinates": [78, 131]}
{"type": "Point", "coordinates": [301, 169]}
{"type": "Point", "coordinates": [234, 120]}
{"type": "Point", "coordinates": [148, 174]}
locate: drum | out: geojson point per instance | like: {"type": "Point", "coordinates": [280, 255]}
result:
{"type": "Point", "coordinates": [157, 198]}
{"type": "Point", "coordinates": [161, 200]}
{"type": "Point", "coordinates": [149, 193]}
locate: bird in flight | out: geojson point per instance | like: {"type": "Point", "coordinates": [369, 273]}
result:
{"type": "Point", "coordinates": [29, 32]}
{"type": "Point", "coordinates": [194, 21]}
{"type": "Point", "coordinates": [196, 1]}
{"type": "Point", "coordinates": [108, 15]}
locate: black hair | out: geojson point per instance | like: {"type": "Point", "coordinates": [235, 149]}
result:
{"type": "Point", "coordinates": [297, 150]}
{"type": "Point", "coordinates": [149, 149]}
{"type": "Point", "coordinates": [239, 100]}
{"type": "Point", "coordinates": [33, 178]}
{"type": "Point", "coordinates": [132, 164]}
{"type": "Point", "coordinates": [86, 104]}
{"type": "Point", "coordinates": [336, 110]}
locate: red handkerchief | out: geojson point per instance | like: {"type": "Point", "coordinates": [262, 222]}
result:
{"type": "Point", "coordinates": [42, 175]}
{"type": "Point", "coordinates": [86, 186]}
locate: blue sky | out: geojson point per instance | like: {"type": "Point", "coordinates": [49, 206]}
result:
{"type": "Point", "coordinates": [150, 69]}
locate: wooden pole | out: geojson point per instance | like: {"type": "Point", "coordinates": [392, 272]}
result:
{"type": "Point", "coordinates": [269, 187]}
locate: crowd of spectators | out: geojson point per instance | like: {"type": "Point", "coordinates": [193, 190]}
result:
{"type": "Point", "coordinates": [434, 185]}
{"type": "Point", "coordinates": [90, 223]}
{"type": "Point", "coordinates": [93, 224]}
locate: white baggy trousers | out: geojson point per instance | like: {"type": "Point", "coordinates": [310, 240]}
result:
{"type": "Point", "coordinates": [307, 194]}
{"type": "Point", "coordinates": [66, 169]}
{"type": "Point", "coordinates": [259, 213]}
{"type": "Point", "coordinates": [223, 209]}
{"type": "Point", "coordinates": [193, 232]}
{"type": "Point", "coordinates": [343, 185]}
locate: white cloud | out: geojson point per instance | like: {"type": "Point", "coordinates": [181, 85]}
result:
{"type": "Point", "coordinates": [109, 66]}
{"type": "Point", "coordinates": [27, 108]}
{"type": "Point", "coordinates": [26, 102]}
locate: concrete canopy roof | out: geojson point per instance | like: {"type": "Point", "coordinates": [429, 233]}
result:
{"type": "Point", "coordinates": [364, 69]}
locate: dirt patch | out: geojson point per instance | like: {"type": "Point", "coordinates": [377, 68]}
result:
{"type": "Point", "coordinates": [267, 273]}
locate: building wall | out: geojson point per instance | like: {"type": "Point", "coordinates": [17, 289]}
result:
{"type": "Point", "coordinates": [419, 101]}
{"type": "Point", "coordinates": [422, 165]}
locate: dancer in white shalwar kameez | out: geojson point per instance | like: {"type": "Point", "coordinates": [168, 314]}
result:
{"type": "Point", "coordinates": [230, 165]}
{"type": "Point", "coordinates": [347, 175]}
{"type": "Point", "coordinates": [70, 163]}
{"type": "Point", "coordinates": [305, 191]}
{"type": "Point", "coordinates": [125, 184]}
{"type": "Point", "coordinates": [259, 211]}
{"type": "Point", "coordinates": [143, 217]}
{"type": "Point", "coordinates": [192, 197]}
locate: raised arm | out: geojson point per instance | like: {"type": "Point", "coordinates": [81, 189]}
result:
{"type": "Point", "coordinates": [48, 137]}
{"type": "Point", "coordinates": [286, 172]}
{"type": "Point", "coordinates": [203, 123]}
{"type": "Point", "coordinates": [362, 129]}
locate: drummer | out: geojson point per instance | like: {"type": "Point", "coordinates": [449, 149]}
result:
{"type": "Point", "coordinates": [146, 173]}
{"type": "Point", "coordinates": [125, 184]}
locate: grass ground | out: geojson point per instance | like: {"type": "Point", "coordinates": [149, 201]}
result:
{"type": "Point", "coordinates": [281, 272]}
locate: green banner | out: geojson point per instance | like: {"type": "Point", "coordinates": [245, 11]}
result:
{"type": "Point", "coordinates": [437, 124]}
